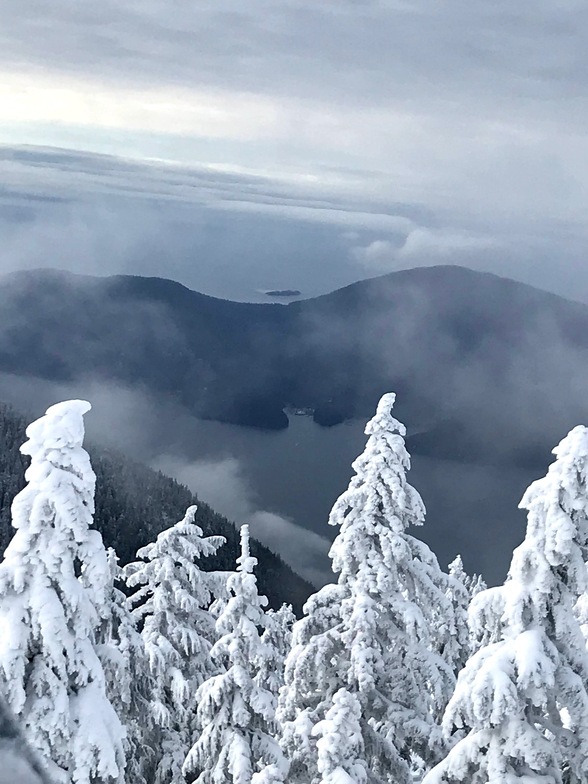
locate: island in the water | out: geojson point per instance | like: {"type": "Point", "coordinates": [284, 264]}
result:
{"type": "Point", "coordinates": [283, 293]}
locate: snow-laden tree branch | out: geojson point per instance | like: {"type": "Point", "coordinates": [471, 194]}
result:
{"type": "Point", "coordinates": [522, 697]}
{"type": "Point", "coordinates": [171, 601]}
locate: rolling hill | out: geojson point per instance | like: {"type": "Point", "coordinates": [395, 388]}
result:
{"type": "Point", "coordinates": [487, 370]}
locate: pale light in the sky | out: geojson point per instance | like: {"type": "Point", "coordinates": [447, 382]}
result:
{"type": "Point", "coordinates": [77, 101]}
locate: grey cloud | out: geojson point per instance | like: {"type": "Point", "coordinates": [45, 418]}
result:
{"type": "Point", "coordinates": [474, 111]}
{"type": "Point", "coordinates": [224, 233]}
{"type": "Point", "coordinates": [223, 485]}
{"type": "Point", "coordinates": [422, 246]}
{"type": "Point", "coordinates": [232, 233]}
{"type": "Point", "coordinates": [529, 50]}
{"type": "Point", "coordinates": [52, 174]}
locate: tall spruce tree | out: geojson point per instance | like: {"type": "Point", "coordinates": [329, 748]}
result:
{"type": "Point", "coordinates": [380, 633]}
{"type": "Point", "coordinates": [54, 584]}
{"type": "Point", "coordinates": [276, 641]}
{"type": "Point", "coordinates": [129, 683]}
{"type": "Point", "coordinates": [235, 714]}
{"type": "Point", "coordinates": [462, 588]}
{"type": "Point", "coordinates": [171, 601]}
{"type": "Point", "coordinates": [522, 698]}
{"type": "Point", "coordinates": [311, 674]}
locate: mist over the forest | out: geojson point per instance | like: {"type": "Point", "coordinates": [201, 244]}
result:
{"type": "Point", "coordinates": [283, 484]}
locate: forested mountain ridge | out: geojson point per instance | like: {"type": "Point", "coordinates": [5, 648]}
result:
{"type": "Point", "coordinates": [134, 504]}
{"type": "Point", "coordinates": [477, 359]}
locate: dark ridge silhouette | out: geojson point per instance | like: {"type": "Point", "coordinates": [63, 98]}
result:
{"type": "Point", "coordinates": [485, 368]}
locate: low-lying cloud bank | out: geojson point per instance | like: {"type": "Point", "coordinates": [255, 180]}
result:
{"type": "Point", "coordinates": [231, 232]}
{"type": "Point", "coordinates": [128, 420]}
{"type": "Point", "coordinates": [223, 485]}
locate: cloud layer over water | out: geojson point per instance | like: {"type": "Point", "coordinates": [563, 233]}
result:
{"type": "Point", "coordinates": [233, 231]}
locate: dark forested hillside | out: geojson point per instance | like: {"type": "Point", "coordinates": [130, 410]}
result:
{"type": "Point", "coordinates": [486, 369]}
{"type": "Point", "coordinates": [134, 504]}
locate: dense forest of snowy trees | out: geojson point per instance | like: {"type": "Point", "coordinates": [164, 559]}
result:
{"type": "Point", "coordinates": [168, 671]}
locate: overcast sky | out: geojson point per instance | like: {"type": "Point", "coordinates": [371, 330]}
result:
{"type": "Point", "coordinates": [242, 146]}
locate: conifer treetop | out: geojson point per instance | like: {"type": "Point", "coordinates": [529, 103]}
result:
{"type": "Point", "coordinates": [383, 421]}
{"type": "Point", "coordinates": [380, 632]}
{"type": "Point", "coordinates": [54, 587]}
{"type": "Point", "coordinates": [379, 491]}
{"type": "Point", "coordinates": [61, 427]}
{"type": "Point", "coordinates": [246, 562]}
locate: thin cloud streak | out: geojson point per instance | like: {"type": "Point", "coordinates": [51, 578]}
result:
{"type": "Point", "coordinates": [231, 231]}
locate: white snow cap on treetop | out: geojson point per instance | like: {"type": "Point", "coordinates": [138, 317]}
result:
{"type": "Point", "coordinates": [246, 562]}
{"type": "Point", "coordinates": [190, 514]}
{"type": "Point", "coordinates": [61, 427]}
{"type": "Point", "coordinates": [383, 421]}
{"type": "Point", "coordinates": [557, 502]}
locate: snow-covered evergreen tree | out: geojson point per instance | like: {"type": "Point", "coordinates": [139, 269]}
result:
{"type": "Point", "coordinates": [311, 675]}
{"type": "Point", "coordinates": [276, 643]}
{"type": "Point", "coordinates": [340, 743]}
{"type": "Point", "coordinates": [235, 714]}
{"type": "Point", "coordinates": [391, 619]}
{"type": "Point", "coordinates": [523, 697]}
{"type": "Point", "coordinates": [458, 648]}
{"type": "Point", "coordinates": [462, 588]}
{"type": "Point", "coordinates": [178, 632]}
{"type": "Point", "coordinates": [129, 683]}
{"type": "Point", "coordinates": [54, 583]}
